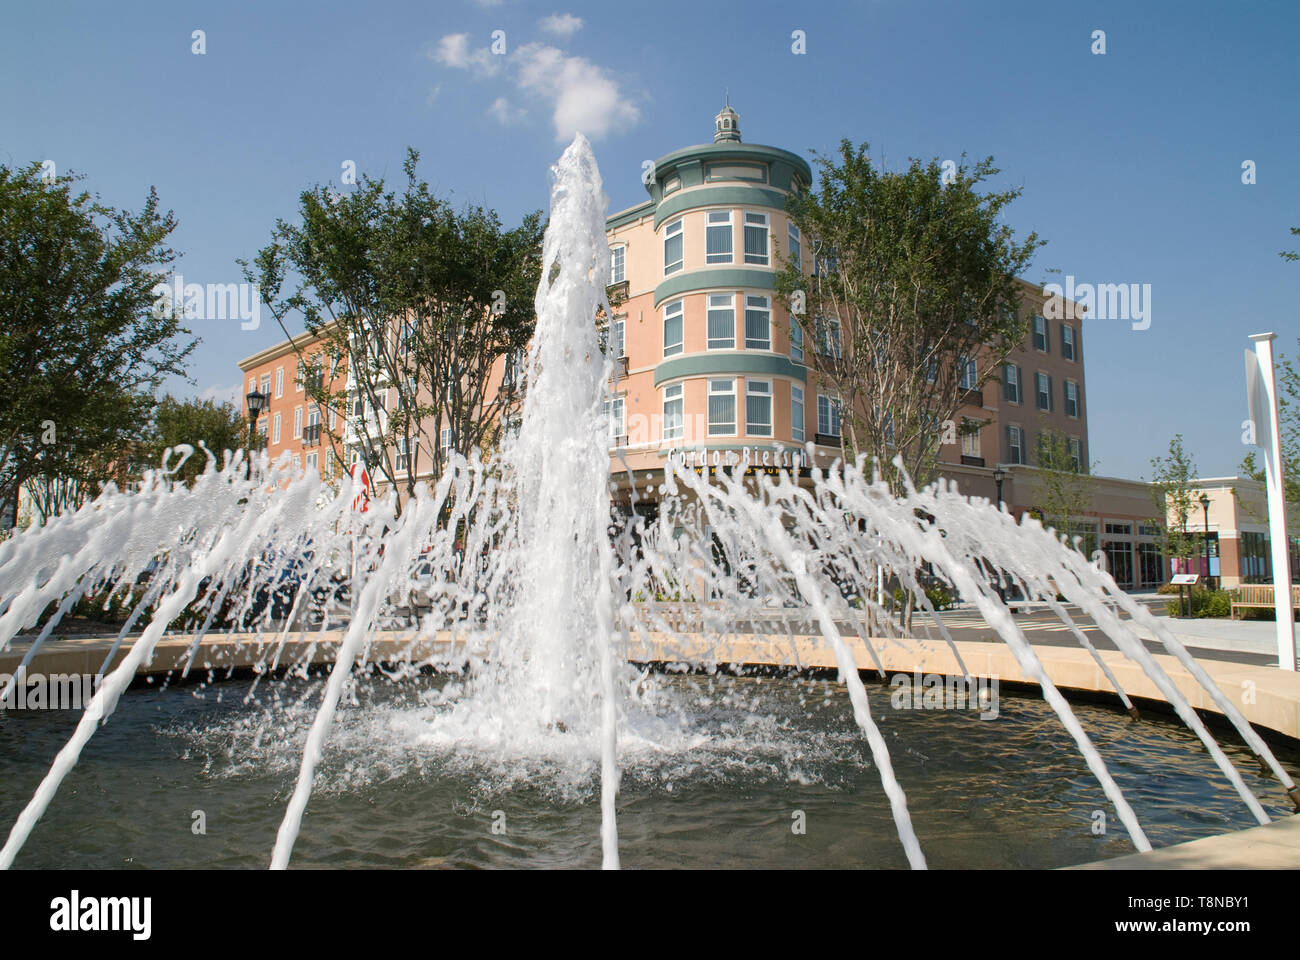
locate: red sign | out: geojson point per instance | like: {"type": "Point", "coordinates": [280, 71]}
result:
{"type": "Point", "coordinates": [361, 501]}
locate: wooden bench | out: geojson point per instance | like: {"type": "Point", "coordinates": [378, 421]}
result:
{"type": "Point", "coordinates": [1259, 595]}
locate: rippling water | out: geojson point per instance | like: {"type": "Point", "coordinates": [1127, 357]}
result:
{"type": "Point", "coordinates": [715, 772]}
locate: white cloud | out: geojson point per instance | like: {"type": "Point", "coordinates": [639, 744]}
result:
{"type": "Point", "coordinates": [453, 51]}
{"type": "Point", "coordinates": [503, 112]}
{"type": "Point", "coordinates": [231, 394]}
{"type": "Point", "coordinates": [433, 94]}
{"type": "Point", "coordinates": [561, 24]}
{"type": "Point", "coordinates": [585, 96]}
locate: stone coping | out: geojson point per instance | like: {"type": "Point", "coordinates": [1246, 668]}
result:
{"type": "Point", "coordinates": [1269, 698]}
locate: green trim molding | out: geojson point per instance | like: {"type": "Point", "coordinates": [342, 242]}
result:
{"type": "Point", "coordinates": [782, 164]}
{"type": "Point", "coordinates": [751, 196]}
{"type": "Point", "coordinates": [743, 362]}
{"type": "Point", "coordinates": [718, 278]}
{"type": "Point", "coordinates": [629, 216]}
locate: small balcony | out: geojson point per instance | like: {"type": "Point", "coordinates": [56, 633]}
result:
{"type": "Point", "coordinates": [972, 461]}
{"type": "Point", "coordinates": [620, 368]}
{"type": "Point", "coordinates": [828, 440]}
{"type": "Point", "coordinates": [311, 435]}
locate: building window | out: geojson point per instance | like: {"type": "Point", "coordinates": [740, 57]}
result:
{"type": "Point", "coordinates": [266, 385]}
{"type": "Point", "coordinates": [1044, 392]}
{"type": "Point", "coordinates": [1255, 559]}
{"type": "Point", "coordinates": [674, 412]}
{"type": "Point", "coordinates": [722, 321]}
{"type": "Point", "coordinates": [758, 408]}
{"type": "Point", "coordinates": [311, 461]}
{"type": "Point", "coordinates": [796, 340]}
{"type": "Point", "coordinates": [1071, 399]}
{"type": "Point", "coordinates": [796, 413]}
{"type": "Point", "coordinates": [612, 345]}
{"type": "Point", "coordinates": [828, 336]}
{"type": "Point", "coordinates": [1011, 380]}
{"type": "Point", "coordinates": [329, 462]}
{"type": "Point", "coordinates": [403, 454]}
{"type": "Point", "coordinates": [275, 429]}
{"type": "Point", "coordinates": [673, 247]}
{"type": "Point", "coordinates": [756, 238]}
{"type": "Point", "coordinates": [969, 375]}
{"type": "Point", "coordinates": [1040, 333]}
{"type": "Point", "coordinates": [796, 247]}
{"type": "Point", "coordinates": [617, 421]}
{"type": "Point", "coordinates": [333, 418]}
{"type": "Point", "coordinates": [717, 239]}
{"type": "Point", "coordinates": [444, 443]}
{"type": "Point", "coordinates": [1075, 448]}
{"type": "Point", "coordinates": [722, 408]}
{"type": "Point", "coordinates": [672, 183]}
{"type": "Point", "coordinates": [297, 422]}
{"type": "Point", "coordinates": [300, 378]}
{"type": "Point", "coordinates": [1015, 445]}
{"type": "Point", "coordinates": [279, 382]}
{"type": "Point", "coordinates": [1151, 568]}
{"type": "Point", "coordinates": [970, 439]}
{"type": "Point", "coordinates": [673, 328]}
{"type": "Point", "coordinates": [758, 323]}
{"type": "Point", "coordinates": [1119, 526]}
{"type": "Point", "coordinates": [828, 415]}
{"type": "Point", "coordinates": [619, 343]}
{"type": "Point", "coordinates": [617, 264]}
{"type": "Point", "coordinates": [1067, 341]}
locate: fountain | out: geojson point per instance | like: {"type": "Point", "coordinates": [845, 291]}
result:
{"type": "Point", "coordinates": [538, 594]}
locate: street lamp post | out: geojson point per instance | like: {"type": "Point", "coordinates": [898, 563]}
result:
{"type": "Point", "coordinates": [1205, 506]}
{"type": "Point", "coordinates": [256, 404]}
{"type": "Point", "coordinates": [998, 476]}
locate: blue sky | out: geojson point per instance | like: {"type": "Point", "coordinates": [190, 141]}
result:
{"type": "Point", "coordinates": [1131, 161]}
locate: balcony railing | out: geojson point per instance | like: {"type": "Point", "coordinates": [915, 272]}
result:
{"type": "Point", "coordinates": [828, 439]}
{"type": "Point", "coordinates": [972, 461]}
{"type": "Point", "coordinates": [620, 368]}
{"type": "Point", "coordinates": [311, 435]}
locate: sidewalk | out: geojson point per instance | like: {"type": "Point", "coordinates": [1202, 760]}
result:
{"type": "Point", "coordinates": [1236, 636]}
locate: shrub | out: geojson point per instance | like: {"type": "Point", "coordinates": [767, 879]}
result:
{"type": "Point", "coordinates": [1206, 604]}
{"type": "Point", "coordinates": [939, 598]}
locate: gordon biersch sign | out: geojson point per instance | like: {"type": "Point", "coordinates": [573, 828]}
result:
{"type": "Point", "coordinates": [753, 459]}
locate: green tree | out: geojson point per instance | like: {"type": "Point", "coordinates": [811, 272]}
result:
{"type": "Point", "coordinates": [912, 279]}
{"type": "Point", "coordinates": [218, 426]}
{"type": "Point", "coordinates": [1063, 487]}
{"type": "Point", "coordinates": [1172, 490]}
{"type": "Point", "coordinates": [416, 298]}
{"type": "Point", "coordinates": [81, 344]}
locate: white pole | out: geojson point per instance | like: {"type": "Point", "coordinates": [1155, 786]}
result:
{"type": "Point", "coordinates": [1286, 652]}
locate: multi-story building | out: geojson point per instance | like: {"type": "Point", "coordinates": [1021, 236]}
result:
{"type": "Point", "coordinates": [710, 370]}
{"type": "Point", "coordinates": [292, 422]}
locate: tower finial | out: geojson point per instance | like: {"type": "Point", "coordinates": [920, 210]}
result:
{"type": "Point", "coordinates": [726, 125]}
